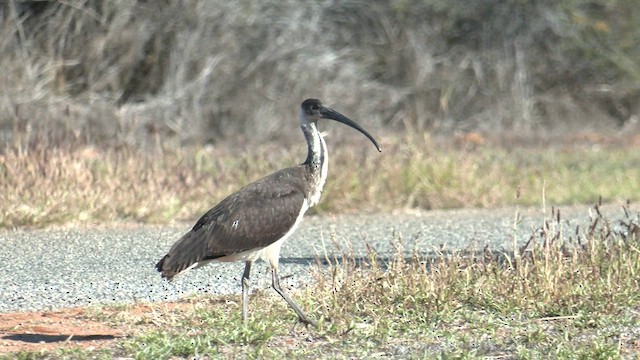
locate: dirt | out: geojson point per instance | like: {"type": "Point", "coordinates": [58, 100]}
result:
{"type": "Point", "coordinates": [51, 330]}
{"type": "Point", "coordinates": [77, 327]}
{"type": "Point", "coordinates": [70, 328]}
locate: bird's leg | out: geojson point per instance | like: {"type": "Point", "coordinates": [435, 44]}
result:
{"type": "Point", "coordinates": [245, 292]}
{"type": "Point", "coordinates": [275, 280]}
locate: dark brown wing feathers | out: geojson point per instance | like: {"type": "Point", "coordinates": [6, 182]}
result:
{"type": "Point", "coordinates": [253, 217]}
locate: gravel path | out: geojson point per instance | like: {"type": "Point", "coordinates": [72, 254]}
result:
{"type": "Point", "coordinates": [50, 269]}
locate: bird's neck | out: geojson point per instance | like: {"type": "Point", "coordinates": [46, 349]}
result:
{"type": "Point", "coordinates": [316, 147]}
{"type": "Point", "coordinates": [317, 160]}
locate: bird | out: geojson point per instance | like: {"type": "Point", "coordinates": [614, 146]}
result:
{"type": "Point", "coordinates": [253, 222]}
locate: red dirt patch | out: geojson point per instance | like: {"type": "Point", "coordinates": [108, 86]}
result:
{"type": "Point", "coordinates": [75, 327]}
{"type": "Point", "coordinates": [51, 330]}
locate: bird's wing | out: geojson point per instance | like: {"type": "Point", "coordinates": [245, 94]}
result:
{"type": "Point", "coordinates": [253, 217]}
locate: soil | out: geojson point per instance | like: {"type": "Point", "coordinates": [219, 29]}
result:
{"type": "Point", "coordinates": [71, 328]}
{"type": "Point", "coordinates": [51, 330]}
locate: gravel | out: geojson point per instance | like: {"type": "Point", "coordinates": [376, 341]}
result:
{"type": "Point", "coordinates": [57, 268]}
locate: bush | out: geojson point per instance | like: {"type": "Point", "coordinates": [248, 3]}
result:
{"type": "Point", "coordinates": [136, 72]}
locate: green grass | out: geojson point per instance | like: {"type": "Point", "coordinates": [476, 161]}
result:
{"type": "Point", "coordinates": [567, 294]}
{"type": "Point", "coordinates": [52, 186]}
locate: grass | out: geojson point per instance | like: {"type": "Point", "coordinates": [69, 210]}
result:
{"type": "Point", "coordinates": [567, 293]}
{"type": "Point", "coordinates": [45, 186]}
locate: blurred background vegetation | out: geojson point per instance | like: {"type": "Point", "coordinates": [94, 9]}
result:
{"type": "Point", "coordinates": [142, 73]}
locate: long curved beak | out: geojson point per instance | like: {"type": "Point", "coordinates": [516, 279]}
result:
{"type": "Point", "coordinates": [328, 113]}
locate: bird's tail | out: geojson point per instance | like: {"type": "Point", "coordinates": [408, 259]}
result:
{"type": "Point", "coordinates": [165, 271]}
{"type": "Point", "coordinates": [188, 252]}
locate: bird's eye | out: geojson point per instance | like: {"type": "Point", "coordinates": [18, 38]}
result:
{"type": "Point", "coordinates": [315, 107]}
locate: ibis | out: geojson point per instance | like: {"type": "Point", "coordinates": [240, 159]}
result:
{"type": "Point", "coordinates": [253, 222]}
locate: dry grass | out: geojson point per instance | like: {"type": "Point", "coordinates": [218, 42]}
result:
{"type": "Point", "coordinates": [51, 186]}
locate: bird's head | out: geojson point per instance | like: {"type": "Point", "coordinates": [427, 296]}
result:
{"type": "Point", "coordinates": [313, 110]}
